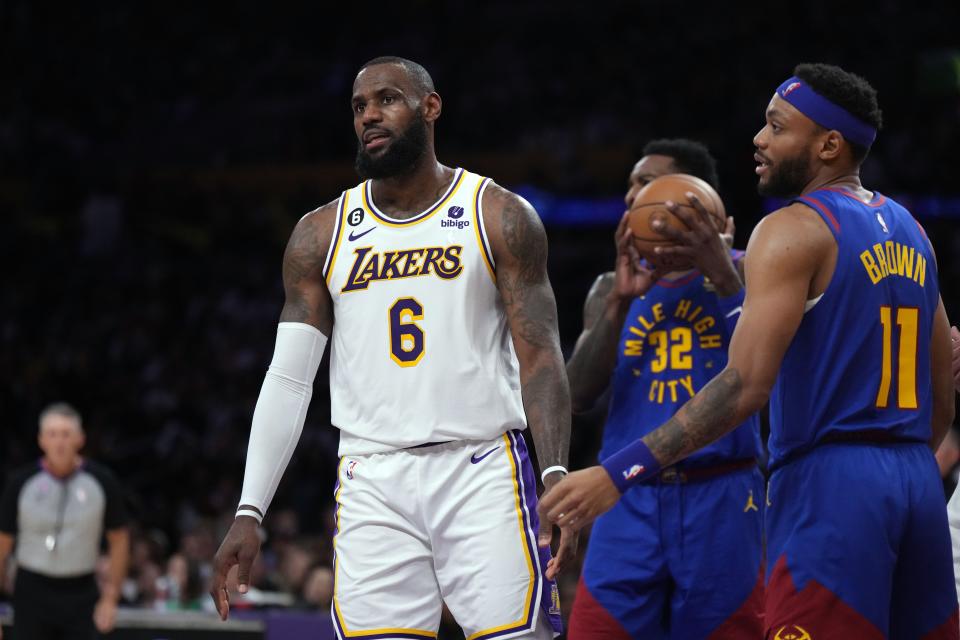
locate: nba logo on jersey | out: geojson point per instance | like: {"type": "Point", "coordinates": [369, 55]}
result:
{"type": "Point", "coordinates": [350, 468]}
{"type": "Point", "coordinates": [883, 223]}
{"type": "Point", "coordinates": [454, 214]}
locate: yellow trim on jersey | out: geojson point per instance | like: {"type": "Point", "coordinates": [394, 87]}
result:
{"type": "Point", "coordinates": [336, 604]}
{"type": "Point", "coordinates": [526, 552]}
{"type": "Point", "coordinates": [476, 228]}
{"type": "Point", "coordinates": [341, 223]}
{"type": "Point", "coordinates": [420, 217]}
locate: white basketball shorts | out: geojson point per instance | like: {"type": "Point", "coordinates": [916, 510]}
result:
{"type": "Point", "coordinates": [453, 522]}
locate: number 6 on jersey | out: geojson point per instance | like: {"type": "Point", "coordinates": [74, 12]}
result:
{"type": "Point", "coordinates": [406, 337]}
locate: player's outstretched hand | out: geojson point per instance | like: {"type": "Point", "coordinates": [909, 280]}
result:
{"type": "Point", "coordinates": [702, 245]}
{"type": "Point", "coordinates": [579, 498]}
{"type": "Point", "coordinates": [955, 341]}
{"type": "Point", "coordinates": [569, 538]}
{"type": "Point", "coordinates": [240, 547]}
{"type": "Point", "coordinates": [632, 278]}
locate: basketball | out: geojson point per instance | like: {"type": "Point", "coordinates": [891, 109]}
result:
{"type": "Point", "coordinates": [650, 205]}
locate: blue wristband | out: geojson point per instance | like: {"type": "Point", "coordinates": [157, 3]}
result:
{"type": "Point", "coordinates": [630, 465]}
{"type": "Point", "coordinates": [730, 307]}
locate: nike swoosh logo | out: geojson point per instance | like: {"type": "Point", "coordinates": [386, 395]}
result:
{"type": "Point", "coordinates": [475, 458]}
{"type": "Point", "coordinates": [352, 237]}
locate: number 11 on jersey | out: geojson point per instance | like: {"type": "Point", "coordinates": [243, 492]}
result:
{"type": "Point", "coordinates": [907, 319]}
{"type": "Point", "coordinates": [406, 336]}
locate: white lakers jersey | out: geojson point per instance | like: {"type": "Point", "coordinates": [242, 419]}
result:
{"type": "Point", "coordinates": [421, 351]}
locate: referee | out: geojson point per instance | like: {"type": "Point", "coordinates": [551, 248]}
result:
{"type": "Point", "coordinates": [57, 511]}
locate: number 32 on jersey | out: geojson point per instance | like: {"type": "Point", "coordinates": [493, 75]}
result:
{"type": "Point", "coordinates": [406, 336]}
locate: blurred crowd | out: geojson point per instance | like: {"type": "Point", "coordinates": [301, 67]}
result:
{"type": "Point", "coordinates": [293, 569]}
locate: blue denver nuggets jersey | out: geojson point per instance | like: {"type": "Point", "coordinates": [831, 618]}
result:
{"type": "Point", "coordinates": [861, 357]}
{"type": "Point", "coordinates": [673, 342]}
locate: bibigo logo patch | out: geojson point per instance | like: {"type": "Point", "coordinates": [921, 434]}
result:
{"type": "Point", "coordinates": [453, 218]}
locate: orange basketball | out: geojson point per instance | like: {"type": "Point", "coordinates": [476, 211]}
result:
{"type": "Point", "coordinates": [650, 205]}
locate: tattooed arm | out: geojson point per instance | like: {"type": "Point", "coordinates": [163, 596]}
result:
{"type": "Point", "coordinates": [307, 299]}
{"type": "Point", "coordinates": [595, 353]}
{"type": "Point", "coordinates": [519, 245]}
{"type": "Point", "coordinates": [306, 322]}
{"type": "Point", "coordinates": [789, 259]}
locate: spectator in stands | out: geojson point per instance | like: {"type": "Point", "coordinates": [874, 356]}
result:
{"type": "Point", "coordinates": [317, 589]}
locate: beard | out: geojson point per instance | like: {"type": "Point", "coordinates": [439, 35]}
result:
{"type": "Point", "coordinates": [786, 179]}
{"type": "Point", "coordinates": [399, 158]}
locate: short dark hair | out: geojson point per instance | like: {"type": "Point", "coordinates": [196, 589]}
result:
{"type": "Point", "coordinates": [420, 76]}
{"type": "Point", "coordinates": [689, 156]}
{"type": "Point", "coordinates": [60, 409]}
{"type": "Point", "coordinates": [847, 90]}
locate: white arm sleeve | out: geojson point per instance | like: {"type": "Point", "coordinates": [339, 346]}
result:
{"type": "Point", "coordinates": [281, 410]}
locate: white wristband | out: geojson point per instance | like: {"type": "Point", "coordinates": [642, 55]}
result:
{"type": "Point", "coordinates": [550, 470]}
{"type": "Point", "coordinates": [249, 512]}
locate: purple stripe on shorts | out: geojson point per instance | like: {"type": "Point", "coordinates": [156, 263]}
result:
{"type": "Point", "coordinates": [528, 496]}
{"type": "Point", "coordinates": [530, 486]}
{"type": "Point", "coordinates": [336, 618]}
{"type": "Point", "coordinates": [528, 503]}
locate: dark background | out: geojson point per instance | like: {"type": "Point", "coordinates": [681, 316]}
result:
{"type": "Point", "coordinates": [154, 158]}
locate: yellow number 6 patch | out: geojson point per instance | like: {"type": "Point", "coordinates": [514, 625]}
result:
{"type": "Point", "coordinates": [406, 337]}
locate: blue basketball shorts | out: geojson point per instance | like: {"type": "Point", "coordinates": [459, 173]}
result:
{"type": "Point", "coordinates": [858, 546]}
{"type": "Point", "coordinates": [676, 560]}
